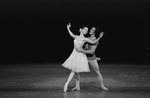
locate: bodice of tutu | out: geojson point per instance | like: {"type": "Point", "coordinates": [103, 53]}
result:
{"type": "Point", "coordinates": [78, 42]}
{"type": "Point", "coordinates": [77, 62]}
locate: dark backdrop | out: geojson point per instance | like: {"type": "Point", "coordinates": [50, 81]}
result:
{"type": "Point", "coordinates": [34, 31]}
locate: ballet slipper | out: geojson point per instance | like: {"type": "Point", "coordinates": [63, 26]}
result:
{"type": "Point", "coordinates": [104, 88]}
{"type": "Point", "coordinates": [76, 88]}
{"type": "Point", "coordinates": [65, 88]}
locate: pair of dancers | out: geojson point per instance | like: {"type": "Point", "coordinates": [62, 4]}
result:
{"type": "Point", "coordinates": [82, 54]}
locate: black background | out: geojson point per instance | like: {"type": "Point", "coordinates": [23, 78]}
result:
{"type": "Point", "coordinates": [34, 31]}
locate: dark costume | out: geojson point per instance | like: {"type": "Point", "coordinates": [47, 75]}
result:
{"type": "Point", "coordinates": [87, 46]}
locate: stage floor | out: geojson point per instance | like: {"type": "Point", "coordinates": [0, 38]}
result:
{"type": "Point", "coordinates": [47, 81]}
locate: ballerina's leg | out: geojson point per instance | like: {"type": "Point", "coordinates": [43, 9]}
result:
{"type": "Point", "coordinates": [68, 81]}
{"type": "Point", "coordinates": [77, 87]}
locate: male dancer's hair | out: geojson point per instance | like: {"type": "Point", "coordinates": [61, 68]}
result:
{"type": "Point", "coordinates": [97, 32]}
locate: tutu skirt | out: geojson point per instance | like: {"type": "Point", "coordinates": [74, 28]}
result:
{"type": "Point", "coordinates": [77, 62]}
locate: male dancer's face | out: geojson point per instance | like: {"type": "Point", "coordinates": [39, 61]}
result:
{"type": "Point", "coordinates": [92, 32]}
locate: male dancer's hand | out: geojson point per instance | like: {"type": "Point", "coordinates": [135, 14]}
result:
{"type": "Point", "coordinates": [98, 58]}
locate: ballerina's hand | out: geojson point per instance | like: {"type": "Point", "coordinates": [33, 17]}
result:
{"type": "Point", "coordinates": [68, 25]}
{"type": "Point", "coordinates": [101, 34]}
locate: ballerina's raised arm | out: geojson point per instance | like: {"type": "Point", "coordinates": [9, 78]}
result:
{"type": "Point", "coordinates": [71, 34]}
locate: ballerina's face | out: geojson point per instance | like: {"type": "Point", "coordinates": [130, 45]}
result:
{"type": "Point", "coordinates": [84, 30]}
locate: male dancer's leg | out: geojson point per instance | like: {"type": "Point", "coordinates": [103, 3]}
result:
{"type": "Point", "coordinates": [95, 66]}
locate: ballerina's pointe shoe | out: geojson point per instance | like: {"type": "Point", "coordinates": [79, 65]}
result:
{"type": "Point", "coordinates": [76, 89]}
{"type": "Point", "coordinates": [65, 88]}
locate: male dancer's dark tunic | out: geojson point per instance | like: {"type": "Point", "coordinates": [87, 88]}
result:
{"type": "Point", "coordinates": [87, 46]}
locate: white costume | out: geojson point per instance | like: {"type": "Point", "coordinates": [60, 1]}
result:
{"type": "Point", "coordinates": [77, 61]}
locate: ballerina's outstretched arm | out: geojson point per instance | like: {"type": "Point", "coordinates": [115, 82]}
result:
{"type": "Point", "coordinates": [71, 34]}
{"type": "Point", "coordinates": [94, 41]}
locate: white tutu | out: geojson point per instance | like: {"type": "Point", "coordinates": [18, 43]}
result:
{"type": "Point", "coordinates": [77, 62]}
